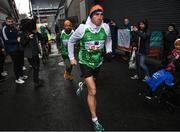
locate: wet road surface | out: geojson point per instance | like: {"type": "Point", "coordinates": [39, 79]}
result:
{"type": "Point", "coordinates": [55, 106]}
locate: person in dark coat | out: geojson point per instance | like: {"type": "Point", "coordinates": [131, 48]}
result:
{"type": "Point", "coordinates": [114, 29]}
{"type": "Point", "coordinates": [29, 40]}
{"type": "Point", "coordinates": [127, 26]}
{"type": "Point", "coordinates": [169, 38]}
{"type": "Point", "coordinates": [12, 47]}
{"type": "Point", "coordinates": [142, 48]}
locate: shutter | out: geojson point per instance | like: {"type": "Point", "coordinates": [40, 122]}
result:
{"type": "Point", "coordinates": [159, 13]}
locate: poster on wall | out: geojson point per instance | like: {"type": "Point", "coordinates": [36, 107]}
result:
{"type": "Point", "coordinates": [123, 38]}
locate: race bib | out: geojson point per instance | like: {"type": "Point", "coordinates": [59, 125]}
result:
{"type": "Point", "coordinates": [94, 45]}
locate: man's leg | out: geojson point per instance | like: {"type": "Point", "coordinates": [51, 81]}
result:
{"type": "Point", "coordinates": [1, 63]}
{"type": "Point", "coordinates": [21, 62]}
{"type": "Point", "coordinates": [144, 67]}
{"type": "Point", "coordinates": [14, 57]}
{"type": "Point", "coordinates": [91, 97]}
{"type": "Point", "coordinates": [67, 73]}
{"type": "Point", "coordinates": [35, 62]}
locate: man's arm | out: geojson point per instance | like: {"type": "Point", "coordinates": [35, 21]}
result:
{"type": "Point", "coordinates": [144, 35]}
{"type": "Point", "coordinates": [77, 35]}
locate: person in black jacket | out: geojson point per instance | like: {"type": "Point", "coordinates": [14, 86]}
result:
{"type": "Point", "coordinates": [142, 48]}
{"type": "Point", "coordinates": [11, 43]}
{"type": "Point", "coordinates": [169, 38]}
{"type": "Point", "coordinates": [29, 40]}
{"type": "Point", "coordinates": [114, 34]}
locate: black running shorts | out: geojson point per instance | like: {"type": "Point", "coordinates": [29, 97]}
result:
{"type": "Point", "coordinates": [88, 71]}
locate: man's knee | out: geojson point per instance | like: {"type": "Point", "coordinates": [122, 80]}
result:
{"type": "Point", "coordinates": [92, 92]}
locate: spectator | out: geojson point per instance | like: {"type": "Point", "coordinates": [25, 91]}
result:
{"type": "Point", "coordinates": [114, 29]}
{"type": "Point", "coordinates": [142, 48]}
{"type": "Point", "coordinates": [11, 40]}
{"type": "Point", "coordinates": [31, 50]}
{"type": "Point", "coordinates": [21, 48]}
{"type": "Point", "coordinates": [126, 25]}
{"type": "Point", "coordinates": [170, 37]}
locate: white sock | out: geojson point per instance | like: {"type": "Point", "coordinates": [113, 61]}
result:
{"type": "Point", "coordinates": [94, 119]}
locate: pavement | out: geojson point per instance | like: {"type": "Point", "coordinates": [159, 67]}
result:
{"type": "Point", "coordinates": [55, 106]}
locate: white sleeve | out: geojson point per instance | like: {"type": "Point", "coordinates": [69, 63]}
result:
{"type": "Point", "coordinates": [108, 42]}
{"type": "Point", "coordinates": [77, 35]}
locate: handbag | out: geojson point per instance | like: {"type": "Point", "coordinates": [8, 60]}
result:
{"type": "Point", "coordinates": [132, 61]}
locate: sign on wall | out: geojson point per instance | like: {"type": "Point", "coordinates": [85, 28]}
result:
{"type": "Point", "coordinates": [124, 38]}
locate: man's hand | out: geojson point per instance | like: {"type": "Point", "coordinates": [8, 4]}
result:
{"type": "Point", "coordinates": [135, 29]}
{"type": "Point", "coordinates": [73, 62]}
{"type": "Point", "coordinates": [31, 36]}
{"type": "Point", "coordinates": [18, 39]}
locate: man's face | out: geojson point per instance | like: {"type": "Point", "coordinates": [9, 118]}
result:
{"type": "Point", "coordinates": [126, 21]}
{"type": "Point", "coordinates": [97, 19]}
{"type": "Point", "coordinates": [170, 28]}
{"type": "Point", "coordinates": [68, 26]}
{"type": "Point", "coordinates": [9, 22]}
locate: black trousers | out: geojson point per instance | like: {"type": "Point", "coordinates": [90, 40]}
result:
{"type": "Point", "coordinates": [35, 62]}
{"type": "Point", "coordinates": [17, 63]}
{"type": "Point", "coordinates": [2, 60]}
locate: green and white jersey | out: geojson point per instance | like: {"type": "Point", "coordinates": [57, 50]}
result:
{"type": "Point", "coordinates": [91, 48]}
{"type": "Point", "coordinates": [93, 39]}
{"type": "Point", "coordinates": [64, 38]}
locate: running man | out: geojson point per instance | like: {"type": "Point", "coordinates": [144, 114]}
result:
{"type": "Point", "coordinates": [93, 36]}
{"type": "Point", "coordinates": [64, 38]}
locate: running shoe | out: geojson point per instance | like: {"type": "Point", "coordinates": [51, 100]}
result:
{"type": "Point", "coordinates": [134, 77]}
{"type": "Point", "coordinates": [145, 78]}
{"type": "Point", "coordinates": [4, 73]}
{"type": "Point", "coordinates": [79, 90]}
{"type": "Point", "coordinates": [98, 127]}
{"type": "Point", "coordinates": [70, 77]}
{"type": "Point", "coordinates": [19, 81]}
{"type": "Point", "coordinates": [24, 68]}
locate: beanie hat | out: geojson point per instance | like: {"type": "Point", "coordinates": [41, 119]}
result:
{"type": "Point", "coordinates": [95, 9]}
